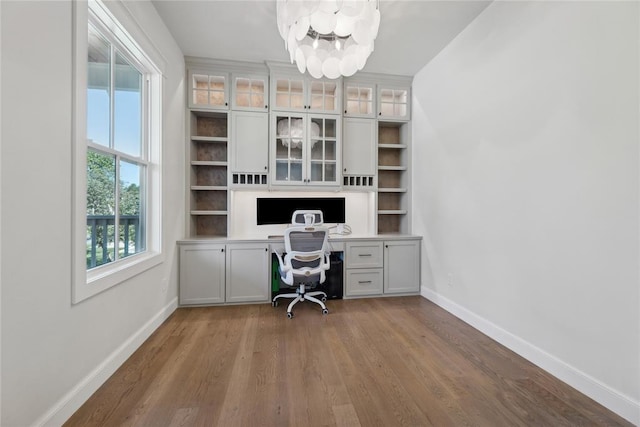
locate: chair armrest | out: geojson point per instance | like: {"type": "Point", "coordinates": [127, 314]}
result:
{"type": "Point", "coordinates": [283, 268]}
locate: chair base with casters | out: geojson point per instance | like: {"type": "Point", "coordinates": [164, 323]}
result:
{"type": "Point", "coordinates": [302, 295]}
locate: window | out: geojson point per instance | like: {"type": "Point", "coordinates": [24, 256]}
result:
{"type": "Point", "coordinates": [116, 156]}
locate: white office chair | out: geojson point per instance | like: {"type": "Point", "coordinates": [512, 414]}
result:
{"type": "Point", "coordinates": [306, 259]}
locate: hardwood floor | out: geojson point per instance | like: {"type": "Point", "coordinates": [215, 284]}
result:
{"type": "Point", "coordinates": [370, 362]}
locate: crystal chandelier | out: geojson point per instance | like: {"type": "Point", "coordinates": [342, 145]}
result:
{"type": "Point", "coordinates": [329, 37]}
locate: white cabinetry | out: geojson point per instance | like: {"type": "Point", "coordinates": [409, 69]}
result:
{"type": "Point", "coordinates": [218, 273]}
{"type": "Point", "coordinates": [364, 262]}
{"type": "Point", "coordinates": [401, 266]}
{"type": "Point", "coordinates": [208, 89]}
{"type": "Point", "coordinates": [363, 282]}
{"type": "Point", "coordinates": [247, 272]}
{"type": "Point", "coordinates": [394, 102]}
{"type": "Point", "coordinates": [366, 254]}
{"type": "Point", "coordinates": [359, 99]}
{"type": "Point", "coordinates": [359, 153]}
{"type": "Point", "coordinates": [250, 92]}
{"type": "Point", "coordinates": [249, 148]}
{"type": "Point", "coordinates": [202, 274]}
{"type": "Point", "coordinates": [305, 149]}
{"type": "Point", "coordinates": [296, 92]}
{"type": "Point", "coordinates": [382, 267]}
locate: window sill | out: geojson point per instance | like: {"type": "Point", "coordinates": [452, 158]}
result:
{"type": "Point", "coordinates": [102, 278]}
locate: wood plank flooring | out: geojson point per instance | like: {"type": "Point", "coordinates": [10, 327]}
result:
{"type": "Point", "coordinates": [370, 362]}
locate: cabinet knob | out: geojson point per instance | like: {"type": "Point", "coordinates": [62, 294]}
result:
{"type": "Point", "coordinates": [386, 246]}
{"type": "Point", "coordinates": [226, 104]}
{"type": "Point", "coordinates": [345, 111]}
{"type": "Point", "coordinates": [345, 169]}
{"type": "Point", "coordinates": [221, 250]}
{"type": "Point", "coordinates": [266, 106]}
{"type": "Point", "coordinates": [265, 168]}
{"type": "Point", "coordinates": [380, 113]}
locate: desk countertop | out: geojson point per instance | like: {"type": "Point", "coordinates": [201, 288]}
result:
{"type": "Point", "coordinates": [280, 238]}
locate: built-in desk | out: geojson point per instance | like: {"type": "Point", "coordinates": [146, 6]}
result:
{"type": "Point", "coordinates": [227, 270]}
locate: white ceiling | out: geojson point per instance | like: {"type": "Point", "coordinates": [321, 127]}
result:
{"type": "Point", "coordinates": [411, 32]}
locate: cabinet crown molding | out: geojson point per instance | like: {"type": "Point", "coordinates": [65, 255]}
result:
{"type": "Point", "coordinates": [229, 66]}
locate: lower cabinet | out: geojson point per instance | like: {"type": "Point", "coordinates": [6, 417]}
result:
{"type": "Point", "coordinates": [401, 266]}
{"type": "Point", "coordinates": [390, 266]}
{"type": "Point", "coordinates": [363, 281]}
{"type": "Point", "coordinates": [202, 270]}
{"type": "Point", "coordinates": [247, 272]}
{"type": "Point", "coordinates": [218, 273]}
{"type": "Point", "coordinates": [364, 262]}
{"type": "Point", "coordinates": [239, 272]}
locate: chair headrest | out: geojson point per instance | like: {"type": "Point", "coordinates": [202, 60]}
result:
{"type": "Point", "coordinates": [307, 217]}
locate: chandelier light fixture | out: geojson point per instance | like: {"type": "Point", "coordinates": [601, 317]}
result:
{"type": "Point", "coordinates": [328, 37]}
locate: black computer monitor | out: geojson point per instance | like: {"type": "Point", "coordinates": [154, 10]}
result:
{"type": "Point", "coordinates": [278, 210]}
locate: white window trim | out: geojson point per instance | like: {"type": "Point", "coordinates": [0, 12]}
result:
{"type": "Point", "coordinates": [86, 284]}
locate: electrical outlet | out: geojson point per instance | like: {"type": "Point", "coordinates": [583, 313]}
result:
{"type": "Point", "coordinates": [450, 279]}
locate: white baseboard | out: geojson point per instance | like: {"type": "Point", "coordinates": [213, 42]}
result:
{"type": "Point", "coordinates": [615, 401]}
{"type": "Point", "coordinates": [65, 407]}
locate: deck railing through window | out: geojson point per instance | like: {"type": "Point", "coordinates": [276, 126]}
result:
{"type": "Point", "coordinates": [101, 238]}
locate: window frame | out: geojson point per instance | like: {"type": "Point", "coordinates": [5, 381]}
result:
{"type": "Point", "coordinates": [86, 283]}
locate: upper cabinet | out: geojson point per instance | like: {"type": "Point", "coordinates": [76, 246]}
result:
{"type": "Point", "coordinates": [250, 92]}
{"type": "Point", "coordinates": [208, 90]}
{"type": "Point", "coordinates": [394, 102]}
{"type": "Point", "coordinates": [227, 85]}
{"type": "Point", "coordinates": [249, 150]}
{"type": "Point", "coordinates": [305, 150]}
{"type": "Point", "coordinates": [359, 99]}
{"type": "Point", "coordinates": [290, 92]}
{"type": "Point", "coordinates": [358, 153]}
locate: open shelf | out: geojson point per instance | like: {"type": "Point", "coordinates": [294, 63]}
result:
{"type": "Point", "coordinates": [209, 212]}
{"type": "Point", "coordinates": [209, 225]}
{"type": "Point", "coordinates": [392, 190]}
{"type": "Point", "coordinates": [209, 187]}
{"type": "Point", "coordinates": [208, 158]}
{"type": "Point", "coordinates": [208, 163]}
{"type": "Point", "coordinates": [210, 139]}
{"type": "Point", "coordinates": [392, 168]}
{"type": "Point", "coordinates": [209, 124]}
{"type": "Point", "coordinates": [392, 146]}
{"type": "Point", "coordinates": [392, 212]}
{"type": "Point", "coordinates": [393, 178]}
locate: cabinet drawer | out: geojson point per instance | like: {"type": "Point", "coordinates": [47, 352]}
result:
{"type": "Point", "coordinates": [364, 282]}
{"type": "Point", "coordinates": [364, 255]}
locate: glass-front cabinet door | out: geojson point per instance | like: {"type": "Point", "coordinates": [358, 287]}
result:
{"type": "Point", "coordinates": [324, 96]}
{"type": "Point", "coordinates": [288, 148]}
{"type": "Point", "coordinates": [299, 93]}
{"type": "Point", "coordinates": [250, 92]}
{"type": "Point", "coordinates": [208, 90]}
{"type": "Point", "coordinates": [394, 103]}
{"type": "Point", "coordinates": [323, 142]}
{"type": "Point", "coordinates": [288, 94]}
{"type": "Point", "coordinates": [358, 99]}
{"type": "Point", "coordinates": [305, 149]}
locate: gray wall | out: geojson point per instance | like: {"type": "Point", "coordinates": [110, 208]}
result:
{"type": "Point", "coordinates": [50, 347]}
{"type": "Point", "coordinates": [525, 133]}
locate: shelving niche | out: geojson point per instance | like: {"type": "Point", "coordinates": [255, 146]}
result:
{"type": "Point", "coordinates": [208, 180]}
{"type": "Point", "coordinates": [393, 178]}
